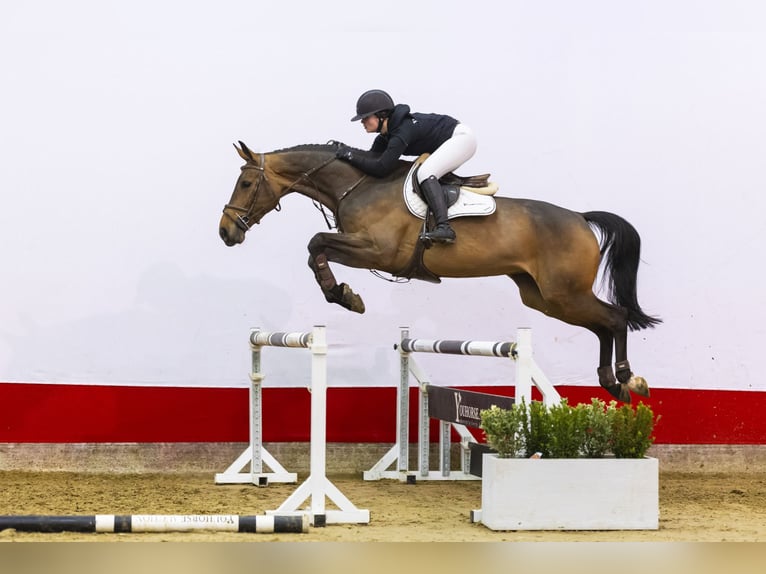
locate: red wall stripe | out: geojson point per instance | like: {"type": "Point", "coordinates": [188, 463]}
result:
{"type": "Point", "coordinates": [90, 413]}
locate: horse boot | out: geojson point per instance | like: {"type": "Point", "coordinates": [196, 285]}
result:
{"type": "Point", "coordinates": [434, 196]}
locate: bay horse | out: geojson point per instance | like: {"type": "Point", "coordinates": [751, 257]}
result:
{"type": "Point", "coordinates": [551, 253]}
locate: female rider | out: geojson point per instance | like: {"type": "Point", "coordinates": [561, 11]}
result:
{"type": "Point", "coordinates": [401, 132]}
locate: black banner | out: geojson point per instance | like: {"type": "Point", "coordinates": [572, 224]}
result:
{"type": "Point", "coordinates": [462, 407]}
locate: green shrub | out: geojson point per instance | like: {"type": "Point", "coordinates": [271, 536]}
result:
{"type": "Point", "coordinates": [631, 430]}
{"type": "Point", "coordinates": [502, 429]}
{"type": "Point", "coordinates": [562, 431]}
{"type": "Point", "coordinates": [567, 430]}
{"type": "Point", "coordinates": [535, 428]}
{"type": "Point", "coordinates": [598, 431]}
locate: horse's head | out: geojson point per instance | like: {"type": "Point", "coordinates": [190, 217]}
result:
{"type": "Point", "coordinates": [253, 197]}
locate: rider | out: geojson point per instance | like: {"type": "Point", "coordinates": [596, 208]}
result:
{"type": "Point", "coordinates": [401, 132]}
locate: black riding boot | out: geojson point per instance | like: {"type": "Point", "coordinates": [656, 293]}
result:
{"type": "Point", "coordinates": [434, 196]}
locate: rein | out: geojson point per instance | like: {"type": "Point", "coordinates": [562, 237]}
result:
{"type": "Point", "coordinates": [307, 176]}
{"type": "Point", "coordinates": [242, 215]}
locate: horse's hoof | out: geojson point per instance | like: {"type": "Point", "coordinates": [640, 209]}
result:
{"type": "Point", "coordinates": [619, 392]}
{"type": "Point", "coordinates": [639, 386]}
{"type": "Point", "coordinates": [351, 300]}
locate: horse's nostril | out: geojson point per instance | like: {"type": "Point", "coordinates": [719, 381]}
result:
{"type": "Point", "coordinates": [222, 233]}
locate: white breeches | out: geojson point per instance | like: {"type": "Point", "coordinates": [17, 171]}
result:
{"type": "Point", "coordinates": [450, 155]}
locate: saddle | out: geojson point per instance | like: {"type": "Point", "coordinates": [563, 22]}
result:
{"type": "Point", "coordinates": [465, 196]}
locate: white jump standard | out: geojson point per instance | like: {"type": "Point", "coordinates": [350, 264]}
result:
{"type": "Point", "coordinates": [455, 409]}
{"type": "Point", "coordinates": [317, 487]}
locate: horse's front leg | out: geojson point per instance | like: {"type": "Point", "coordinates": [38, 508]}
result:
{"type": "Point", "coordinates": [334, 292]}
{"type": "Point", "coordinates": [345, 249]}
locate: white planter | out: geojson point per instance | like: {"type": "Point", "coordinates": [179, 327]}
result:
{"type": "Point", "coordinates": [570, 494]}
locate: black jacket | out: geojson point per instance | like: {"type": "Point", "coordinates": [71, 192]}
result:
{"type": "Point", "coordinates": [408, 134]}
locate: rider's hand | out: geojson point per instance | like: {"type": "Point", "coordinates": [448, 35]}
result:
{"type": "Point", "coordinates": [344, 153]}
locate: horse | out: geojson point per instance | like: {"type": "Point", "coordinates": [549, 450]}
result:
{"type": "Point", "coordinates": [551, 253]}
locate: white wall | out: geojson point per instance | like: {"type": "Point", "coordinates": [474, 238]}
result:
{"type": "Point", "coordinates": [116, 159]}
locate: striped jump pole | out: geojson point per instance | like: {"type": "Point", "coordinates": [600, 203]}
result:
{"type": "Point", "coordinates": [155, 523]}
{"type": "Point", "coordinates": [449, 347]}
{"type": "Point", "coordinates": [455, 409]}
{"type": "Point", "coordinates": [528, 374]}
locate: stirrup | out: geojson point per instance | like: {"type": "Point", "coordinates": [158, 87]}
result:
{"type": "Point", "coordinates": [440, 234]}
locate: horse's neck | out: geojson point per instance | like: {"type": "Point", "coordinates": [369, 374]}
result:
{"type": "Point", "coordinates": [315, 175]}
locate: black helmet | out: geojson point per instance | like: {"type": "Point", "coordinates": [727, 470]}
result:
{"type": "Point", "coordinates": [372, 102]}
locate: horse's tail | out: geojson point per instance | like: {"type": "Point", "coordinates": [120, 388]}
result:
{"type": "Point", "coordinates": [621, 251]}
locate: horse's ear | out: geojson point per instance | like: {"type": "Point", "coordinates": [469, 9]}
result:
{"type": "Point", "coordinates": [244, 152]}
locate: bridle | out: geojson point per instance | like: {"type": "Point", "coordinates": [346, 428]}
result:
{"type": "Point", "coordinates": [242, 215]}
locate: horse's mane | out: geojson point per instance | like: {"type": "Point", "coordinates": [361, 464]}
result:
{"type": "Point", "coordinates": [332, 146]}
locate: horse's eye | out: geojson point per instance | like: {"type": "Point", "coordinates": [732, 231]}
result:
{"type": "Point", "coordinates": [247, 183]}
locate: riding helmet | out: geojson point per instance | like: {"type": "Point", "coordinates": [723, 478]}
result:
{"type": "Point", "coordinates": [372, 102]}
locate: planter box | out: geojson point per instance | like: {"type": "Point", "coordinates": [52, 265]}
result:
{"type": "Point", "coordinates": [570, 494]}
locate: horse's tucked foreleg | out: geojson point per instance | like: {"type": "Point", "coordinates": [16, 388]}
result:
{"type": "Point", "coordinates": [356, 250]}
{"type": "Point", "coordinates": [324, 275]}
{"type": "Point", "coordinates": [334, 292]}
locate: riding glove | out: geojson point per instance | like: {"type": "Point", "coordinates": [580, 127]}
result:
{"type": "Point", "coordinates": [344, 153]}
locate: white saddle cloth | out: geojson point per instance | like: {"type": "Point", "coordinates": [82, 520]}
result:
{"type": "Point", "coordinates": [469, 203]}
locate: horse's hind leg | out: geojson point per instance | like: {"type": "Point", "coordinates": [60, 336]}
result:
{"type": "Point", "coordinates": [606, 376]}
{"type": "Point", "coordinates": [609, 323]}
{"type": "Point", "coordinates": [585, 310]}
{"type": "Point", "coordinates": [612, 328]}
{"type": "Point", "coordinates": [622, 367]}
